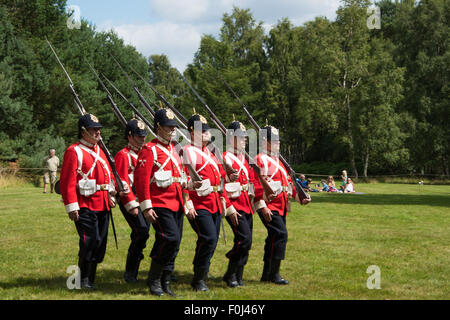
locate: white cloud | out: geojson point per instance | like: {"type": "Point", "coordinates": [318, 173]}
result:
{"type": "Point", "coordinates": [180, 10]}
{"type": "Point", "coordinates": [183, 22]}
{"type": "Point", "coordinates": [177, 41]}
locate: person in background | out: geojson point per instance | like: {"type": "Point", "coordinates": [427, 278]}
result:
{"type": "Point", "coordinates": [331, 184]}
{"type": "Point", "coordinates": [349, 187]}
{"type": "Point", "coordinates": [325, 187]}
{"type": "Point", "coordinates": [51, 164]}
{"type": "Point", "coordinates": [344, 178]}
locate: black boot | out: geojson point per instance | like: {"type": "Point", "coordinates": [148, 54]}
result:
{"type": "Point", "coordinates": [92, 273]}
{"type": "Point", "coordinates": [266, 271]}
{"type": "Point", "coordinates": [85, 282]}
{"type": "Point", "coordinates": [239, 276]}
{"type": "Point", "coordinates": [165, 283]}
{"type": "Point", "coordinates": [154, 279]}
{"type": "Point", "coordinates": [230, 275]}
{"type": "Point", "coordinates": [84, 275]}
{"type": "Point", "coordinates": [275, 276]}
{"type": "Point", "coordinates": [199, 281]}
{"type": "Point", "coordinates": [132, 268]}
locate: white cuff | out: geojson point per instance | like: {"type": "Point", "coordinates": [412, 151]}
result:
{"type": "Point", "coordinates": [260, 205]}
{"type": "Point", "coordinates": [131, 205]}
{"type": "Point", "coordinates": [230, 211]}
{"type": "Point", "coordinates": [188, 206]}
{"type": "Point", "coordinates": [146, 204]}
{"type": "Point", "coordinates": [72, 207]}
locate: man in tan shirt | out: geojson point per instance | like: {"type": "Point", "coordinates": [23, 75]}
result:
{"type": "Point", "coordinates": [50, 164]}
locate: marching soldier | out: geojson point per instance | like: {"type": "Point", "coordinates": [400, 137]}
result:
{"type": "Point", "coordinates": [238, 188]}
{"type": "Point", "coordinates": [126, 161]}
{"type": "Point", "coordinates": [207, 198]}
{"type": "Point", "coordinates": [87, 187]}
{"type": "Point", "coordinates": [273, 210]}
{"type": "Point", "coordinates": [159, 177]}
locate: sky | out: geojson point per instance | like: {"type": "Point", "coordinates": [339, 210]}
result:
{"type": "Point", "coordinates": [175, 27]}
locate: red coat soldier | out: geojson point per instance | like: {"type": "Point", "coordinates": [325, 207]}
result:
{"type": "Point", "coordinates": [159, 178]}
{"type": "Point", "coordinates": [87, 187]}
{"type": "Point", "coordinates": [237, 188]}
{"type": "Point", "coordinates": [126, 161]}
{"type": "Point", "coordinates": [208, 201]}
{"type": "Point", "coordinates": [273, 211]}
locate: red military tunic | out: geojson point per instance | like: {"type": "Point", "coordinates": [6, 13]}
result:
{"type": "Point", "coordinates": [208, 167]}
{"type": "Point", "coordinates": [246, 177]}
{"type": "Point", "coordinates": [273, 170]}
{"type": "Point", "coordinates": [126, 160]}
{"type": "Point", "coordinates": [148, 193]}
{"type": "Point", "coordinates": [102, 173]}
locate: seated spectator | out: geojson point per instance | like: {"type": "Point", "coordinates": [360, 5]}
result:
{"type": "Point", "coordinates": [325, 187]}
{"type": "Point", "coordinates": [331, 184]}
{"type": "Point", "coordinates": [349, 188]}
{"type": "Point", "coordinates": [302, 180]}
{"type": "Point", "coordinates": [308, 186]}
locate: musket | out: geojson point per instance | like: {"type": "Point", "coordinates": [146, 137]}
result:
{"type": "Point", "coordinates": [264, 183]}
{"type": "Point", "coordinates": [179, 116]}
{"type": "Point", "coordinates": [193, 174]}
{"type": "Point", "coordinates": [101, 144]}
{"type": "Point", "coordinates": [142, 100]}
{"type": "Point", "coordinates": [300, 191]}
{"type": "Point", "coordinates": [116, 110]}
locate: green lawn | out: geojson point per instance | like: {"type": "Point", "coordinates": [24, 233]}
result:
{"type": "Point", "coordinates": [402, 229]}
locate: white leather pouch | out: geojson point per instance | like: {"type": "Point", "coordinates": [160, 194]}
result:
{"type": "Point", "coordinates": [276, 187]}
{"type": "Point", "coordinates": [233, 189]}
{"type": "Point", "coordinates": [163, 178]}
{"type": "Point", "coordinates": [205, 188]}
{"type": "Point", "coordinates": [87, 187]}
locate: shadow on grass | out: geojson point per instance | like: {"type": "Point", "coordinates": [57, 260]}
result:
{"type": "Point", "coordinates": [385, 199]}
{"type": "Point", "coordinates": [107, 282]}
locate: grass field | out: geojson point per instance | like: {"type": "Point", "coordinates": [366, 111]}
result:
{"type": "Point", "coordinates": [402, 229]}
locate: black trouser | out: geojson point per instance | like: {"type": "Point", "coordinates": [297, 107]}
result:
{"type": "Point", "coordinates": [207, 227]}
{"type": "Point", "coordinates": [277, 236]}
{"type": "Point", "coordinates": [139, 232]}
{"type": "Point", "coordinates": [92, 228]}
{"type": "Point", "coordinates": [168, 233]}
{"type": "Point", "coordinates": [242, 239]}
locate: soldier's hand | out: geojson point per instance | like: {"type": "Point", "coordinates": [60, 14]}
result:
{"type": "Point", "coordinates": [191, 214]}
{"type": "Point", "coordinates": [74, 215]}
{"type": "Point", "coordinates": [198, 184]}
{"type": "Point", "coordinates": [112, 202]}
{"type": "Point", "coordinates": [267, 214]}
{"type": "Point", "coordinates": [150, 215]}
{"type": "Point", "coordinates": [134, 212]}
{"type": "Point", "coordinates": [233, 177]}
{"type": "Point", "coordinates": [234, 218]}
{"type": "Point", "coordinates": [305, 201]}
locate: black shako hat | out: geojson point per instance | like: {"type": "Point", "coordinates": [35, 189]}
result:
{"type": "Point", "coordinates": [165, 117]}
{"type": "Point", "coordinates": [198, 117]}
{"type": "Point", "coordinates": [135, 128]}
{"type": "Point", "coordinates": [270, 133]}
{"type": "Point", "coordinates": [88, 121]}
{"type": "Point", "coordinates": [237, 129]}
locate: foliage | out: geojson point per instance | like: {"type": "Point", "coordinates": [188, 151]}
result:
{"type": "Point", "coordinates": [377, 100]}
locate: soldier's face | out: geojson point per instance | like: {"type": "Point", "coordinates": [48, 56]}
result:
{"type": "Point", "coordinates": [274, 146]}
{"type": "Point", "coordinates": [240, 143]}
{"type": "Point", "coordinates": [167, 132]}
{"type": "Point", "coordinates": [137, 141]}
{"type": "Point", "coordinates": [92, 135]}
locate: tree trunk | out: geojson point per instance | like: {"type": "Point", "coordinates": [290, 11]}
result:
{"type": "Point", "coordinates": [366, 162]}
{"type": "Point", "coordinates": [350, 135]}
